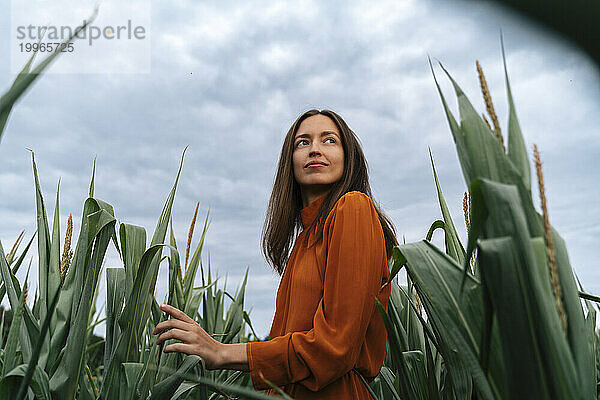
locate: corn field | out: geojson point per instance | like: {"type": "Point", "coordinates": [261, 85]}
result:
{"type": "Point", "coordinates": [502, 319]}
{"type": "Point", "coordinates": [499, 318]}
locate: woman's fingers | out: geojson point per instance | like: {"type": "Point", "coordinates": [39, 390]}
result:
{"type": "Point", "coordinates": [177, 334]}
{"type": "Point", "coordinates": [193, 338]}
{"type": "Point", "coordinates": [176, 313]}
{"type": "Point", "coordinates": [170, 324]}
{"type": "Point", "coordinates": [180, 348]}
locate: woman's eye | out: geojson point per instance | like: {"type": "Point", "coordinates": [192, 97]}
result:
{"type": "Point", "coordinates": [300, 142]}
{"type": "Point", "coordinates": [332, 140]}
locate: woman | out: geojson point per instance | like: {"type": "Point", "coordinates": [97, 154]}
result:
{"type": "Point", "coordinates": [326, 330]}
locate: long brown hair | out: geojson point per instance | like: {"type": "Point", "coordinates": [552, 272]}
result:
{"type": "Point", "coordinates": [283, 220]}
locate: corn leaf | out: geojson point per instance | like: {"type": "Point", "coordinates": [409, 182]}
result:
{"type": "Point", "coordinates": [15, 268]}
{"type": "Point", "coordinates": [10, 384]}
{"type": "Point", "coordinates": [133, 372]}
{"type": "Point", "coordinates": [73, 285]}
{"type": "Point", "coordinates": [577, 330]}
{"type": "Point", "coordinates": [234, 321]}
{"type": "Point", "coordinates": [133, 319]}
{"type": "Point", "coordinates": [517, 152]}
{"type": "Point", "coordinates": [457, 135]}
{"type": "Point", "coordinates": [115, 296]}
{"type": "Point", "coordinates": [509, 261]}
{"type": "Point", "coordinates": [167, 387]}
{"type": "Point", "coordinates": [454, 247]}
{"type": "Point", "coordinates": [43, 244]}
{"type": "Point", "coordinates": [35, 375]}
{"type": "Point", "coordinates": [30, 331]}
{"type": "Point", "coordinates": [396, 344]}
{"type": "Point", "coordinates": [26, 78]}
{"type": "Point", "coordinates": [11, 360]}
{"type": "Point", "coordinates": [101, 225]}
{"type": "Point", "coordinates": [53, 272]}
{"type": "Point", "coordinates": [175, 278]}
{"type": "Point", "coordinates": [455, 316]}
{"type": "Point", "coordinates": [388, 380]}
{"type": "Point", "coordinates": [133, 245]}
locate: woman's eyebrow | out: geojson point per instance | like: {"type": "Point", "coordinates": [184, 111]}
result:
{"type": "Point", "coordinates": [324, 133]}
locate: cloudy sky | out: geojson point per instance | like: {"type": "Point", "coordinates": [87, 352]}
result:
{"type": "Point", "coordinates": [229, 79]}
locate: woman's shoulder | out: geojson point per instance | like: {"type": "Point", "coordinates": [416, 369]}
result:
{"type": "Point", "coordinates": [353, 202]}
{"type": "Point", "coordinates": [353, 212]}
{"type": "Point", "coordinates": [354, 197]}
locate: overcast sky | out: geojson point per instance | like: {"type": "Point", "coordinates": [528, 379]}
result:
{"type": "Point", "coordinates": [229, 79]}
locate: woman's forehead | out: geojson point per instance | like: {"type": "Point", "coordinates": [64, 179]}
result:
{"type": "Point", "coordinates": [317, 124]}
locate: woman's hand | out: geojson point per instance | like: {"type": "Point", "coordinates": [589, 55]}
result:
{"type": "Point", "coordinates": [194, 339]}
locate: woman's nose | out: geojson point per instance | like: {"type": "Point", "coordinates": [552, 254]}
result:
{"type": "Point", "coordinates": [314, 149]}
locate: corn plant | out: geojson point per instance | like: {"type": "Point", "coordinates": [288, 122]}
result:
{"type": "Point", "coordinates": [510, 325]}
{"type": "Point", "coordinates": [52, 336]}
{"type": "Point", "coordinates": [48, 347]}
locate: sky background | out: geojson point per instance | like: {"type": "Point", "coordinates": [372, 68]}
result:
{"type": "Point", "coordinates": [229, 79]}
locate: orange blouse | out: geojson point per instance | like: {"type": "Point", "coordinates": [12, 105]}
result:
{"type": "Point", "coordinates": [325, 319]}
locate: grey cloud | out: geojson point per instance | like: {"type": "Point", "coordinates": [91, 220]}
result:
{"type": "Point", "coordinates": [229, 80]}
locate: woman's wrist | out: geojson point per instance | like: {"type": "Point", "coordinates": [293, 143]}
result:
{"type": "Point", "coordinates": [234, 356]}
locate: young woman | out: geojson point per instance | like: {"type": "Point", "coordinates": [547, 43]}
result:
{"type": "Point", "coordinates": [326, 330]}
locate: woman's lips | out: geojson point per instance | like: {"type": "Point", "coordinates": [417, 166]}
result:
{"type": "Point", "coordinates": [317, 164]}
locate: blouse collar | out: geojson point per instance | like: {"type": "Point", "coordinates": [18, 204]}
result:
{"type": "Point", "coordinates": [309, 213]}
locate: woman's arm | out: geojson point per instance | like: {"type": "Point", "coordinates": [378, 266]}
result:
{"type": "Point", "coordinates": [195, 340]}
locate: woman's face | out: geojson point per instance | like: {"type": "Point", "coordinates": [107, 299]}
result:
{"type": "Point", "coordinates": [318, 155]}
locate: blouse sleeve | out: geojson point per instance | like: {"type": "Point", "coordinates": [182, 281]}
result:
{"type": "Point", "coordinates": [353, 277]}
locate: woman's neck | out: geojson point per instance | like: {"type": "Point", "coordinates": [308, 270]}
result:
{"type": "Point", "coordinates": [313, 193]}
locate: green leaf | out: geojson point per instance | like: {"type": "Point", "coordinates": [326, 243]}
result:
{"type": "Point", "coordinates": [100, 230]}
{"type": "Point", "coordinates": [517, 152]}
{"type": "Point", "coordinates": [244, 392]}
{"type": "Point", "coordinates": [11, 360]}
{"type": "Point", "coordinates": [33, 368]}
{"type": "Point", "coordinates": [30, 332]}
{"type": "Point", "coordinates": [388, 380]}
{"type": "Point", "coordinates": [86, 391]}
{"type": "Point", "coordinates": [26, 78]}
{"type": "Point", "coordinates": [438, 224]}
{"type": "Point", "coordinates": [43, 243]}
{"type": "Point", "coordinates": [139, 301]}
{"type": "Point", "coordinates": [133, 245]}
{"type": "Point", "coordinates": [455, 316]}
{"type": "Point", "coordinates": [415, 365]}
{"type": "Point", "coordinates": [133, 373]}
{"type": "Point", "coordinates": [91, 191]}
{"type": "Point", "coordinates": [167, 387]}
{"type": "Point", "coordinates": [53, 271]}
{"type": "Point", "coordinates": [10, 384]}
{"type": "Point", "coordinates": [115, 296]}
{"type": "Point", "coordinates": [234, 320]}
{"type": "Point", "coordinates": [577, 330]}
{"type": "Point", "coordinates": [176, 298]}
{"type": "Point", "coordinates": [395, 345]}
{"type": "Point", "coordinates": [95, 212]}
{"type": "Point", "coordinates": [15, 267]}
{"type": "Point", "coordinates": [247, 320]}
{"type": "Point", "coordinates": [457, 135]}
{"type": "Point", "coordinates": [527, 316]}
{"type": "Point", "coordinates": [454, 247]}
